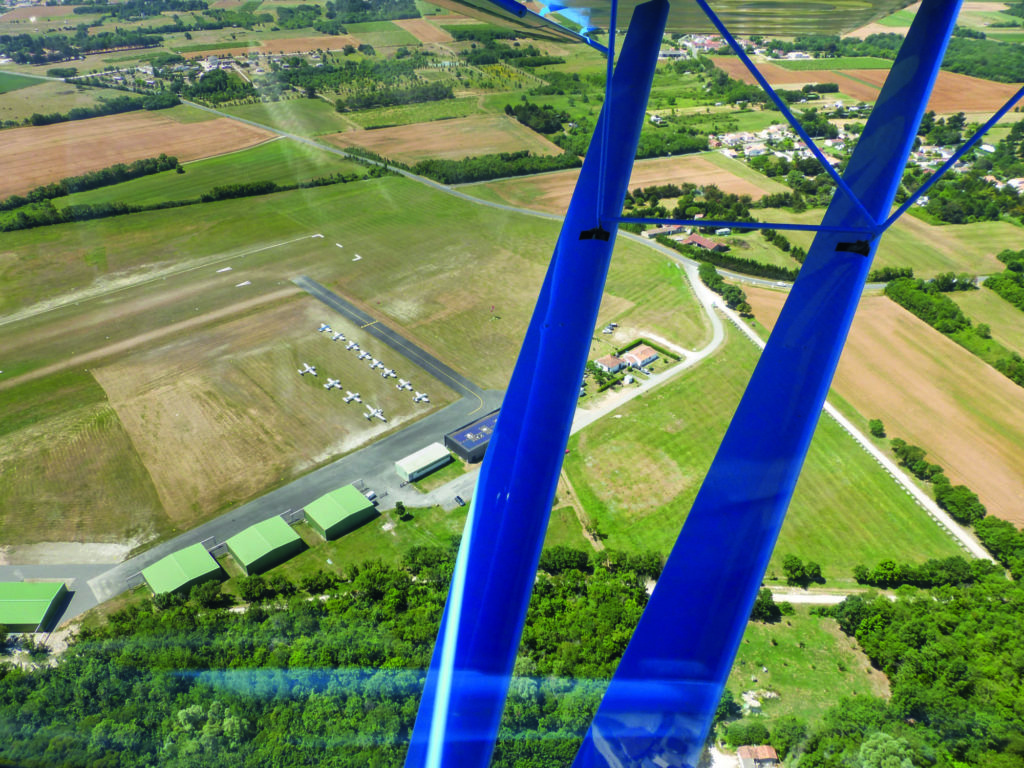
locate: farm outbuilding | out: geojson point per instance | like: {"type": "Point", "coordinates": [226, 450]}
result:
{"type": "Point", "coordinates": [339, 512]}
{"type": "Point", "coordinates": [30, 606]}
{"type": "Point", "coordinates": [262, 546]}
{"type": "Point", "coordinates": [423, 462]}
{"type": "Point", "coordinates": [182, 570]}
{"type": "Point", "coordinates": [470, 442]}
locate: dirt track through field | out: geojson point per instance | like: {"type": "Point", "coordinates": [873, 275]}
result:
{"type": "Point", "coordinates": [952, 93]}
{"type": "Point", "coordinates": [423, 30]}
{"type": "Point", "coordinates": [40, 155]}
{"type": "Point", "coordinates": [121, 347]}
{"type": "Point", "coordinates": [933, 393]}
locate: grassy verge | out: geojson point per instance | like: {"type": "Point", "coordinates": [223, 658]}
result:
{"type": "Point", "coordinates": [1005, 320]}
{"type": "Point", "coordinates": [439, 477]}
{"type": "Point", "coordinates": [840, 62]}
{"type": "Point", "coordinates": [637, 476]}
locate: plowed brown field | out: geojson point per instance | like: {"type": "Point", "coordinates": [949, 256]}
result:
{"type": "Point", "coordinates": [40, 155]}
{"type": "Point", "coordinates": [423, 30]}
{"type": "Point", "coordinates": [283, 45]}
{"type": "Point", "coordinates": [933, 393]}
{"type": "Point", "coordinates": [551, 191]}
{"type": "Point", "coordinates": [952, 93]}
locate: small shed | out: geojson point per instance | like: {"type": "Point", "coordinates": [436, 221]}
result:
{"type": "Point", "coordinates": [262, 546]}
{"type": "Point", "coordinates": [339, 512]}
{"type": "Point", "coordinates": [423, 462]}
{"type": "Point", "coordinates": [30, 606]}
{"type": "Point", "coordinates": [181, 571]}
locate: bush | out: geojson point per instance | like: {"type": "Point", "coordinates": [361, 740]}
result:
{"type": "Point", "coordinates": [555, 560]}
{"type": "Point", "coordinates": [746, 733]}
{"type": "Point", "coordinates": [876, 428]}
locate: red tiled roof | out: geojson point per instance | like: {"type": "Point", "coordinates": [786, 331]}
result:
{"type": "Point", "coordinates": [759, 752]}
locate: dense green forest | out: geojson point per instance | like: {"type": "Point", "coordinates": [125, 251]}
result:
{"type": "Point", "coordinates": [328, 673]}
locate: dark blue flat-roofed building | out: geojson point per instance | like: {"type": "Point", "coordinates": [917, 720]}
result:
{"type": "Point", "coordinates": [470, 441]}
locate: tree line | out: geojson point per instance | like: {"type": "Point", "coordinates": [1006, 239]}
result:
{"type": "Point", "coordinates": [112, 106]}
{"type": "Point", "coordinates": [104, 177]}
{"type": "Point", "coordinates": [44, 214]}
{"type": "Point", "coordinates": [389, 97]}
{"type": "Point", "coordinates": [733, 296]}
{"type": "Point", "coordinates": [1009, 284]}
{"type": "Point", "coordinates": [936, 572]}
{"type": "Point", "coordinates": [41, 49]}
{"type": "Point", "coordinates": [542, 119]}
{"type": "Point", "coordinates": [484, 167]}
{"type": "Point", "coordinates": [730, 262]}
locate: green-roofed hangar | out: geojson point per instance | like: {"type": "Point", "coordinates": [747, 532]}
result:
{"type": "Point", "coordinates": [30, 606]}
{"type": "Point", "coordinates": [339, 512]}
{"type": "Point", "coordinates": [262, 546]}
{"type": "Point", "coordinates": [181, 571]}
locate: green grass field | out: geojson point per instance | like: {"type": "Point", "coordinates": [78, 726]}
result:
{"type": "Point", "coordinates": [899, 19]}
{"type": "Point", "coordinates": [46, 96]}
{"type": "Point", "coordinates": [810, 664]}
{"type": "Point", "coordinates": [927, 248]}
{"type": "Point", "coordinates": [840, 62]}
{"type": "Point", "coordinates": [381, 34]}
{"type": "Point", "coordinates": [407, 114]}
{"type": "Point", "coordinates": [11, 82]}
{"type": "Point", "coordinates": [282, 161]}
{"type": "Point", "coordinates": [306, 117]}
{"type": "Point", "coordinates": [1005, 320]}
{"type": "Point", "coordinates": [637, 477]}
{"type": "Point", "coordinates": [1006, 35]}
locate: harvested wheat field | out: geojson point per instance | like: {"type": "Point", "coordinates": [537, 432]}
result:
{"type": "Point", "coordinates": [40, 155]}
{"type": "Point", "coordinates": [449, 139]}
{"type": "Point", "coordinates": [423, 30]}
{"type": "Point", "coordinates": [551, 192]}
{"type": "Point", "coordinates": [281, 45]}
{"type": "Point", "coordinates": [933, 393]}
{"type": "Point", "coordinates": [953, 92]}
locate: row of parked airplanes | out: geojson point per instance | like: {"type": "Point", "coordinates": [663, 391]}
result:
{"type": "Point", "coordinates": [352, 346]}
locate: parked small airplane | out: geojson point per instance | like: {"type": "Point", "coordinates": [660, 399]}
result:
{"type": "Point", "coordinates": [374, 412]}
{"type": "Point", "coordinates": [375, 363]}
{"type": "Point", "coordinates": [421, 397]}
{"type": "Point", "coordinates": [403, 384]}
{"type": "Point", "coordinates": [324, 328]}
{"type": "Point", "coordinates": [363, 355]}
{"type": "Point", "coordinates": [608, 329]}
{"type": "Point", "coordinates": [339, 336]}
{"type": "Point", "coordinates": [332, 384]}
{"type": "Point", "coordinates": [307, 368]}
{"type": "Point", "coordinates": [352, 396]}
{"type": "Point", "coordinates": [352, 345]}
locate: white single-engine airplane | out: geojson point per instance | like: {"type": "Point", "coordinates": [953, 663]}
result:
{"type": "Point", "coordinates": [352, 345]}
{"type": "Point", "coordinates": [352, 396]}
{"type": "Point", "coordinates": [403, 384]}
{"type": "Point", "coordinates": [374, 412]}
{"type": "Point", "coordinates": [421, 397]}
{"type": "Point", "coordinates": [375, 363]}
{"type": "Point", "coordinates": [332, 384]}
{"type": "Point", "coordinates": [324, 328]}
{"type": "Point", "coordinates": [339, 336]}
{"type": "Point", "coordinates": [363, 355]}
{"type": "Point", "coordinates": [307, 368]}
{"type": "Point", "coordinates": [388, 373]}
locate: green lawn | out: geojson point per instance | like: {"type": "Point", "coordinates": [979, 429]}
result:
{"type": "Point", "coordinates": [899, 19]}
{"type": "Point", "coordinates": [306, 117]}
{"type": "Point", "coordinates": [637, 476]}
{"type": "Point", "coordinates": [437, 478]}
{"type": "Point", "coordinates": [840, 62]}
{"type": "Point", "coordinates": [1005, 320]}
{"type": "Point", "coordinates": [810, 664]}
{"type": "Point", "coordinates": [381, 34]}
{"type": "Point", "coordinates": [929, 249]}
{"type": "Point", "coordinates": [11, 82]}
{"type": "Point", "coordinates": [1006, 35]}
{"type": "Point", "coordinates": [407, 114]}
{"type": "Point", "coordinates": [282, 161]}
